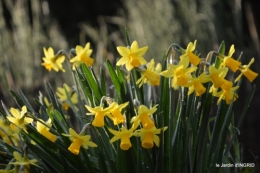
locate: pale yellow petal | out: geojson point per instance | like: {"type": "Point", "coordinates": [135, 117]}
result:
{"type": "Point", "coordinates": [168, 73]}
{"type": "Point", "coordinates": [122, 61]}
{"type": "Point", "coordinates": [141, 51]}
{"type": "Point", "coordinates": [129, 67]}
{"type": "Point", "coordinates": [15, 113]}
{"type": "Point", "coordinates": [89, 144]}
{"type": "Point", "coordinates": [142, 60]}
{"type": "Point", "coordinates": [50, 52]}
{"type": "Point", "coordinates": [156, 140]}
{"type": "Point", "coordinates": [79, 50]}
{"type": "Point", "coordinates": [123, 51]}
{"type": "Point", "coordinates": [17, 156]}
{"type": "Point", "coordinates": [115, 138]}
{"type": "Point", "coordinates": [134, 46]}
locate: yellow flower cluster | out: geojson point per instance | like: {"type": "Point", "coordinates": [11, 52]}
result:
{"type": "Point", "coordinates": [52, 61]}
{"type": "Point", "coordinates": [189, 71]}
{"type": "Point", "coordinates": [148, 132]}
{"type": "Point", "coordinates": [183, 73]}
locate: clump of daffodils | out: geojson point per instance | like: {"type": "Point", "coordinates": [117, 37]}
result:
{"type": "Point", "coordinates": [132, 119]}
{"type": "Point", "coordinates": [189, 71]}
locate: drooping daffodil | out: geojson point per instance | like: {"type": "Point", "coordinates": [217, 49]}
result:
{"type": "Point", "coordinates": [149, 136]}
{"type": "Point", "coordinates": [99, 112]}
{"type": "Point", "coordinates": [124, 135]}
{"type": "Point", "coordinates": [249, 74]}
{"type": "Point", "coordinates": [78, 140]}
{"type": "Point", "coordinates": [193, 59]}
{"type": "Point", "coordinates": [44, 127]}
{"type": "Point", "coordinates": [229, 61]}
{"type": "Point", "coordinates": [144, 116]}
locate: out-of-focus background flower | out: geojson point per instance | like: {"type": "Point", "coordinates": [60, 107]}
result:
{"type": "Point", "coordinates": [26, 26]}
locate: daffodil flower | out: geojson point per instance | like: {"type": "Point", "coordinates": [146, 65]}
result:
{"type": "Point", "coordinates": [100, 114]}
{"type": "Point", "coordinates": [229, 61]}
{"type": "Point", "coordinates": [124, 135]}
{"type": "Point", "coordinates": [217, 75]}
{"type": "Point", "coordinates": [23, 161]}
{"type": "Point", "coordinates": [82, 56]}
{"type": "Point", "coordinates": [19, 119]}
{"type": "Point", "coordinates": [131, 57]}
{"type": "Point", "coordinates": [196, 83]}
{"type": "Point", "coordinates": [61, 93]}
{"type": "Point", "coordinates": [194, 59]}
{"type": "Point", "coordinates": [249, 74]}
{"type": "Point", "coordinates": [151, 75]}
{"type": "Point", "coordinates": [180, 73]}
{"type": "Point", "coordinates": [117, 116]}
{"type": "Point", "coordinates": [51, 61]}
{"type": "Point", "coordinates": [144, 116]}
{"type": "Point", "coordinates": [78, 140]}
{"type": "Point", "coordinates": [149, 136]}
{"type": "Point", "coordinates": [44, 129]}
{"type": "Point", "coordinates": [227, 95]}
{"type": "Point", "coordinates": [7, 134]}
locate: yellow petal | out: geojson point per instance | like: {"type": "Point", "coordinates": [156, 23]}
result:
{"type": "Point", "coordinates": [123, 51]}
{"type": "Point", "coordinates": [75, 146]}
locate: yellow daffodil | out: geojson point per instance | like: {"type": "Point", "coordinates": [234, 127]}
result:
{"type": "Point", "coordinates": [82, 56]}
{"type": "Point", "coordinates": [249, 74]}
{"type": "Point", "coordinates": [131, 57]}
{"type": "Point", "coordinates": [180, 73]}
{"type": "Point", "coordinates": [149, 136]}
{"type": "Point", "coordinates": [196, 83]}
{"type": "Point", "coordinates": [100, 114]}
{"type": "Point", "coordinates": [217, 75]}
{"type": "Point", "coordinates": [44, 129]}
{"type": "Point", "coordinates": [61, 93]}
{"type": "Point", "coordinates": [124, 135]}
{"type": "Point", "coordinates": [78, 140]}
{"type": "Point", "coordinates": [151, 75]}
{"type": "Point", "coordinates": [229, 61]}
{"type": "Point", "coordinates": [19, 119]}
{"type": "Point", "coordinates": [227, 95]}
{"type": "Point", "coordinates": [117, 116]}
{"type": "Point", "coordinates": [51, 61]}
{"type": "Point", "coordinates": [23, 161]}
{"type": "Point", "coordinates": [194, 59]}
{"type": "Point", "coordinates": [7, 134]}
{"type": "Point", "coordinates": [144, 116]}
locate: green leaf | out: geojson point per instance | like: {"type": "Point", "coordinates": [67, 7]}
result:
{"type": "Point", "coordinates": [103, 82]}
{"type": "Point", "coordinates": [46, 157]}
{"type": "Point", "coordinates": [26, 102]}
{"type": "Point", "coordinates": [53, 98]}
{"type": "Point", "coordinates": [17, 99]}
{"type": "Point", "coordinates": [59, 118]}
{"type": "Point", "coordinates": [248, 100]}
{"type": "Point", "coordinates": [93, 83]}
{"type": "Point", "coordinates": [114, 79]}
{"type": "Point", "coordinates": [84, 86]}
{"type": "Point", "coordinates": [221, 50]}
{"type": "Point", "coordinates": [128, 43]}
